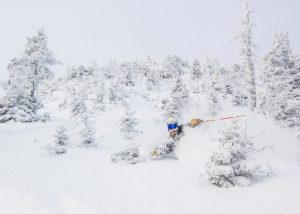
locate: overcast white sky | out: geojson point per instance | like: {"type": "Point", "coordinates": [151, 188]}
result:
{"type": "Point", "coordinates": [80, 31]}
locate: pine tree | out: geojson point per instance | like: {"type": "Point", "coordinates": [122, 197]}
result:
{"type": "Point", "coordinates": [88, 131]}
{"type": "Point", "coordinates": [173, 67]}
{"type": "Point", "coordinates": [196, 70]}
{"type": "Point", "coordinates": [196, 77]}
{"type": "Point", "coordinates": [61, 140]}
{"type": "Point", "coordinates": [281, 80]}
{"type": "Point", "coordinates": [100, 95]}
{"type": "Point", "coordinates": [151, 72]}
{"type": "Point", "coordinates": [26, 73]}
{"type": "Point", "coordinates": [214, 105]}
{"type": "Point", "coordinates": [239, 94]}
{"type": "Point", "coordinates": [39, 59]}
{"type": "Point", "coordinates": [116, 92]}
{"type": "Point", "coordinates": [229, 165]}
{"type": "Point", "coordinates": [179, 99]}
{"type": "Point", "coordinates": [212, 85]}
{"type": "Point", "coordinates": [247, 48]}
{"type": "Point", "coordinates": [128, 125]}
{"type": "Point", "coordinates": [127, 76]}
{"type": "Point", "coordinates": [77, 103]}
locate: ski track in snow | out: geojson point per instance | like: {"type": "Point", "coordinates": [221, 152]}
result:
{"type": "Point", "coordinates": [85, 181]}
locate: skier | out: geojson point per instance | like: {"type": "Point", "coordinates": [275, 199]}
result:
{"type": "Point", "coordinates": [175, 133]}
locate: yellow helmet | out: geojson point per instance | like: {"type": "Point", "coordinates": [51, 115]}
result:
{"type": "Point", "coordinates": [171, 120]}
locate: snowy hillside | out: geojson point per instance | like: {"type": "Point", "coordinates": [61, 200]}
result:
{"type": "Point", "coordinates": [165, 136]}
{"type": "Point", "coordinates": [85, 181]}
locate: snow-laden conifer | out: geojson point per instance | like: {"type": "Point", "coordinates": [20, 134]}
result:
{"type": "Point", "coordinates": [151, 72]}
{"type": "Point", "coordinates": [239, 93]}
{"type": "Point", "coordinates": [280, 80]}
{"type": "Point", "coordinates": [128, 125]}
{"type": "Point", "coordinates": [126, 74]}
{"type": "Point", "coordinates": [26, 73]}
{"type": "Point", "coordinates": [196, 70]}
{"type": "Point", "coordinates": [100, 91]}
{"type": "Point", "coordinates": [87, 132]}
{"type": "Point", "coordinates": [212, 85]}
{"type": "Point", "coordinates": [230, 164]}
{"type": "Point", "coordinates": [196, 77]}
{"type": "Point", "coordinates": [247, 54]}
{"type": "Point", "coordinates": [61, 140]}
{"type": "Point", "coordinates": [131, 154]}
{"type": "Point", "coordinates": [173, 67]}
{"type": "Point", "coordinates": [178, 100]}
{"type": "Point", "coordinates": [78, 106]}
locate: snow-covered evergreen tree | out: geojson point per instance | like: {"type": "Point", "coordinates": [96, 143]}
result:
{"type": "Point", "coordinates": [247, 50]}
{"type": "Point", "coordinates": [196, 70]}
{"type": "Point", "coordinates": [281, 75]}
{"type": "Point", "coordinates": [88, 131]}
{"type": "Point", "coordinates": [173, 67]}
{"type": "Point", "coordinates": [26, 73]}
{"type": "Point", "coordinates": [212, 85]}
{"type": "Point", "coordinates": [61, 140]}
{"type": "Point", "coordinates": [100, 95]}
{"type": "Point", "coordinates": [127, 74]}
{"type": "Point", "coordinates": [81, 73]}
{"type": "Point", "coordinates": [230, 164]}
{"type": "Point", "coordinates": [235, 78]}
{"type": "Point", "coordinates": [151, 72]}
{"type": "Point", "coordinates": [179, 99]}
{"type": "Point", "coordinates": [196, 77]}
{"type": "Point", "coordinates": [116, 92]}
{"type": "Point", "coordinates": [128, 125]}
{"type": "Point", "coordinates": [39, 59]}
{"type": "Point", "coordinates": [214, 105]}
{"type": "Point", "coordinates": [78, 103]}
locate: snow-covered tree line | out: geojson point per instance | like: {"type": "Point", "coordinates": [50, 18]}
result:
{"type": "Point", "coordinates": [269, 84]}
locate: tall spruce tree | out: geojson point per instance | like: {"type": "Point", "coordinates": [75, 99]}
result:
{"type": "Point", "coordinates": [281, 76]}
{"type": "Point", "coordinates": [179, 99]}
{"type": "Point", "coordinates": [26, 73]}
{"type": "Point", "coordinates": [247, 54]}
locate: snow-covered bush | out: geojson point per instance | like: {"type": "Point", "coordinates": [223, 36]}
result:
{"type": "Point", "coordinates": [230, 164]}
{"type": "Point", "coordinates": [19, 109]}
{"type": "Point", "coordinates": [61, 140]}
{"type": "Point", "coordinates": [130, 155]}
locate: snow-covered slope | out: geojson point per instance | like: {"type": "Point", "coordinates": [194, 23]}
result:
{"type": "Point", "coordinates": [83, 180]}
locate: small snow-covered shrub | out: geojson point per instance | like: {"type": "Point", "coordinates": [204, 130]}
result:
{"type": "Point", "coordinates": [230, 165]}
{"type": "Point", "coordinates": [130, 155]}
{"type": "Point", "coordinates": [60, 142]}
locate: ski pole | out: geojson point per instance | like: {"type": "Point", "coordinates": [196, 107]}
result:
{"type": "Point", "coordinates": [224, 118]}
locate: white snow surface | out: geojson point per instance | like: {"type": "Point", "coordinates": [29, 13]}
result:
{"type": "Point", "coordinates": [83, 180]}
